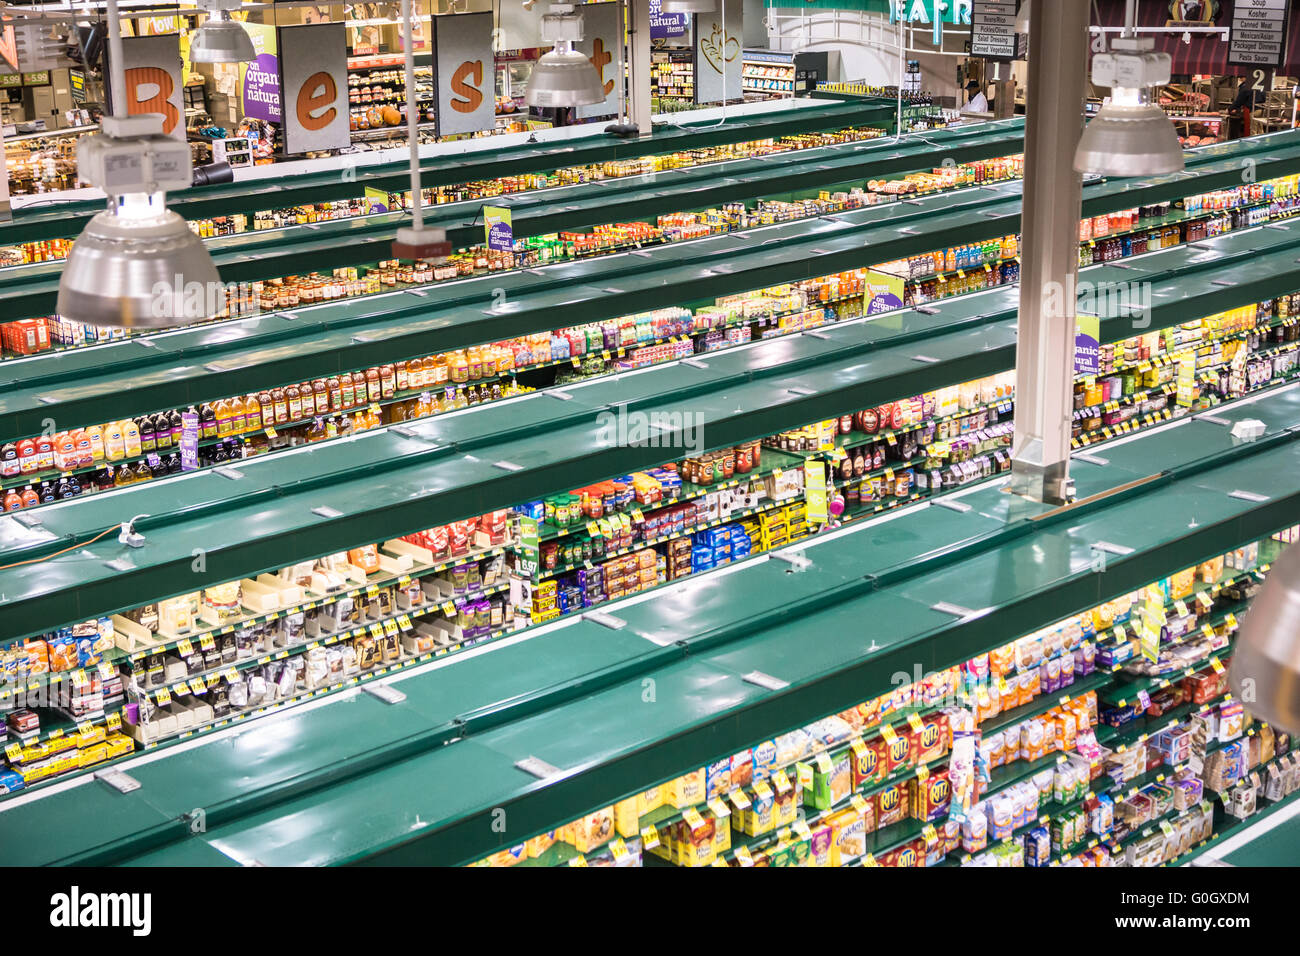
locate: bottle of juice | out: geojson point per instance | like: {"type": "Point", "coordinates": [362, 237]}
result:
{"type": "Point", "coordinates": [221, 411]}
{"type": "Point", "coordinates": [252, 414]}
{"type": "Point", "coordinates": [144, 427]}
{"type": "Point", "coordinates": [373, 391]}
{"type": "Point", "coordinates": [81, 449]}
{"type": "Point", "coordinates": [458, 367]}
{"type": "Point", "coordinates": [387, 381]}
{"type": "Point", "coordinates": [321, 393]}
{"type": "Point", "coordinates": [30, 497]}
{"type": "Point", "coordinates": [131, 436]}
{"type": "Point", "coordinates": [114, 442]}
{"type": "Point", "coordinates": [401, 379]}
{"type": "Point", "coordinates": [293, 403]}
{"type": "Point", "coordinates": [12, 501]}
{"type": "Point", "coordinates": [96, 435]}
{"type": "Point", "coordinates": [307, 395]}
{"type": "Point", "coordinates": [44, 452]}
{"type": "Point", "coordinates": [65, 452]}
{"type": "Point", "coordinates": [207, 421]}
{"type": "Point", "coordinates": [281, 406]}
{"type": "Point", "coordinates": [335, 393]}
{"type": "Point", "coordinates": [238, 416]}
{"type": "Point", "coordinates": [162, 431]}
{"type": "Point", "coordinates": [347, 395]}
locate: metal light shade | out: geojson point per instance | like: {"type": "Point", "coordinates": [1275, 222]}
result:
{"type": "Point", "coordinates": [688, 6]}
{"type": "Point", "coordinates": [1129, 140]}
{"type": "Point", "coordinates": [1265, 671]}
{"type": "Point", "coordinates": [147, 272]}
{"type": "Point", "coordinates": [564, 77]}
{"type": "Point", "coordinates": [221, 40]}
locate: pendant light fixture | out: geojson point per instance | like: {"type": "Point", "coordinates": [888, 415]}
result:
{"type": "Point", "coordinates": [137, 264]}
{"type": "Point", "coordinates": [414, 241]}
{"type": "Point", "coordinates": [563, 76]}
{"type": "Point", "coordinates": [688, 6]}
{"type": "Point", "coordinates": [1130, 135]}
{"type": "Point", "coordinates": [1265, 670]}
{"type": "Point", "coordinates": [220, 39]}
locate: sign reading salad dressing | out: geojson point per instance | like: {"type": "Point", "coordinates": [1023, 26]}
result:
{"type": "Point", "coordinates": [314, 86]}
{"type": "Point", "coordinates": [464, 73]}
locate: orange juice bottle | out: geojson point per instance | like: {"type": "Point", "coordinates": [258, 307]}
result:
{"type": "Point", "coordinates": [114, 442]}
{"type": "Point", "coordinates": [131, 438]}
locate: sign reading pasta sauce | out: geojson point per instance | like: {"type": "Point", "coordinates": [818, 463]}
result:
{"type": "Point", "coordinates": [314, 86]}
{"type": "Point", "coordinates": [464, 73]}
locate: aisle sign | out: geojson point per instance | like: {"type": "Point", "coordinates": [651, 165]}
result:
{"type": "Point", "coordinates": [1087, 344]}
{"type": "Point", "coordinates": [716, 54]}
{"type": "Point", "coordinates": [993, 29]}
{"type": "Point", "coordinates": [152, 65]}
{"type": "Point", "coordinates": [259, 81]}
{"type": "Point", "coordinates": [602, 44]}
{"type": "Point", "coordinates": [314, 83]}
{"type": "Point", "coordinates": [1258, 33]}
{"type": "Point", "coordinates": [498, 228]}
{"type": "Point", "coordinates": [464, 73]}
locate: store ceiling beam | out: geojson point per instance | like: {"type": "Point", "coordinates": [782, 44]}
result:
{"type": "Point", "coordinates": [571, 694]}
{"type": "Point", "coordinates": [35, 223]}
{"type": "Point", "coordinates": [136, 376]}
{"type": "Point", "coordinates": [384, 484]}
{"type": "Point", "coordinates": [32, 290]}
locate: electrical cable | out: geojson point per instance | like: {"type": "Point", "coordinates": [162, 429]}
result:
{"type": "Point", "coordinates": [19, 564]}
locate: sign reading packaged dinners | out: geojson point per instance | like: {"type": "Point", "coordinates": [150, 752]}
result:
{"type": "Point", "coordinates": [1258, 32]}
{"type": "Point", "coordinates": [993, 29]}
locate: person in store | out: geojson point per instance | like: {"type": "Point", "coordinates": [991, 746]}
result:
{"type": "Point", "coordinates": [1239, 113]}
{"type": "Point", "coordinates": [976, 101]}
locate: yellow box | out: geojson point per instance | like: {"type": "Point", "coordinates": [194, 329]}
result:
{"type": "Point", "coordinates": [687, 790]}
{"type": "Point", "coordinates": [593, 830]}
{"type": "Point", "coordinates": [540, 844]}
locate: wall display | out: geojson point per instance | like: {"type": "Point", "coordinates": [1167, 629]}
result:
{"type": "Point", "coordinates": [463, 73]}
{"type": "Point", "coordinates": [717, 54]}
{"type": "Point", "coordinates": [314, 76]}
{"type": "Point", "coordinates": [602, 43]}
{"type": "Point", "coordinates": [153, 79]}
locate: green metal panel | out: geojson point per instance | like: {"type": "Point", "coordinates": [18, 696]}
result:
{"type": "Point", "coordinates": [31, 290]}
{"type": "Point", "coordinates": [385, 483]}
{"type": "Point", "coordinates": [143, 375]}
{"type": "Point", "coordinates": [37, 223]}
{"type": "Point", "coordinates": [586, 713]}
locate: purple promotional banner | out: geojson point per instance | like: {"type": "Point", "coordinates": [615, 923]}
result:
{"type": "Point", "coordinates": [262, 88]}
{"type": "Point", "coordinates": [664, 26]}
{"type": "Point", "coordinates": [189, 441]}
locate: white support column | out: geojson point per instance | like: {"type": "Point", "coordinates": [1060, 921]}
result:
{"type": "Point", "coordinates": [1049, 259]}
{"type": "Point", "coordinates": [638, 64]}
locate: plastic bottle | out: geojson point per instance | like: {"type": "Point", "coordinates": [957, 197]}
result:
{"type": "Point", "coordinates": [96, 435]}
{"type": "Point", "coordinates": [144, 428]}
{"type": "Point", "coordinates": [9, 466]}
{"type": "Point", "coordinates": [131, 436]}
{"type": "Point", "coordinates": [237, 416]}
{"type": "Point", "coordinates": [44, 452]}
{"type": "Point", "coordinates": [114, 442]}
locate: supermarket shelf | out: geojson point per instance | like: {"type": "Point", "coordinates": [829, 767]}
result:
{"type": "Point", "coordinates": [516, 158]}
{"type": "Point", "coordinates": [443, 469]}
{"type": "Point", "coordinates": [555, 718]}
{"type": "Point", "coordinates": [268, 349]}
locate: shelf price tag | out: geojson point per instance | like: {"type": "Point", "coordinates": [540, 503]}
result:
{"type": "Point", "coordinates": [693, 818]}
{"type": "Point", "coordinates": [185, 647]}
{"type": "Point", "coordinates": [163, 697]}
{"type": "Point", "coordinates": [744, 857]}
{"type": "Point", "coordinates": [1217, 665]}
{"type": "Point", "coordinates": [207, 643]}
{"type": "Point", "coordinates": [718, 808]}
{"type": "Point", "coordinates": [740, 799]}
{"type": "Point", "coordinates": [869, 860]}
{"type": "Point", "coordinates": [649, 837]}
{"type": "Point", "coordinates": [619, 849]}
{"type": "Point", "coordinates": [781, 781]}
{"type": "Point", "coordinates": [14, 752]}
{"type": "Point", "coordinates": [914, 720]}
{"type": "Point", "coordinates": [404, 622]}
{"type": "Point", "coordinates": [801, 830]}
{"type": "Point", "coordinates": [887, 732]}
{"type": "Point", "coordinates": [578, 860]}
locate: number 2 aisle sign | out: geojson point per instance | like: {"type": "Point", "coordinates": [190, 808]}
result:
{"type": "Point", "coordinates": [464, 73]}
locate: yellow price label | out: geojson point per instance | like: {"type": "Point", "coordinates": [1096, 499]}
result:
{"type": "Point", "coordinates": [163, 697]}
{"type": "Point", "coordinates": [915, 722]}
{"type": "Point", "coordinates": [693, 818]}
{"type": "Point", "coordinates": [781, 781]}
{"type": "Point", "coordinates": [185, 647]}
{"type": "Point", "coordinates": [207, 643]}
{"type": "Point", "coordinates": [1217, 665]}
{"type": "Point", "coordinates": [744, 857]}
{"type": "Point", "coordinates": [578, 860]}
{"type": "Point", "coordinates": [404, 622]}
{"type": "Point", "coordinates": [718, 808]}
{"type": "Point", "coordinates": [619, 849]}
{"type": "Point", "coordinates": [649, 837]}
{"type": "Point", "coordinates": [888, 733]}
{"type": "Point", "coordinates": [869, 860]}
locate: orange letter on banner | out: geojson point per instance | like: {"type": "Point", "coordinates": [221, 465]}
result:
{"type": "Point", "coordinates": [600, 59]}
{"type": "Point", "coordinates": [145, 76]}
{"type": "Point", "coordinates": [473, 97]}
{"type": "Point", "coordinates": [309, 102]}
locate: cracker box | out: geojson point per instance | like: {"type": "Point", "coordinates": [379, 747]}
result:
{"type": "Point", "coordinates": [930, 798]}
{"type": "Point", "coordinates": [687, 790]}
{"type": "Point", "coordinates": [848, 836]}
{"type": "Point", "coordinates": [593, 830]}
{"type": "Point", "coordinates": [870, 758]}
{"type": "Point", "coordinates": [891, 805]}
{"type": "Point", "coordinates": [932, 741]}
{"type": "Point", "coordinates": [831, 781]}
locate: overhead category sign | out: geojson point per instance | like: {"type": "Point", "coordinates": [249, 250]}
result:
{"type": "Point", "coordinates": [314, 83]}
{"type": "Point", "coordinates": [602, 44]}
{"type": "Point", "coordinates": [993, 29]}
{"type": "Point", "coordinates": [464, 73]}
{"type": "Point", "coordinates": [1258, 34]}
{"type": "Point", "coordinates": [716, 51]}
{"type": "Point", "coordinates": [933, 12]}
